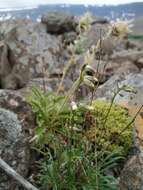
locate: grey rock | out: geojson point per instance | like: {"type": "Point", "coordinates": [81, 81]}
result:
{"type": "Point", "coordinates": [131, 177]}
{"type": "Point", "coordinates": [127, 55]}
{"type": "Point", "coordinates": [139, 62]}
{"type": "Point", "coordinates": [10, 129]}
{"type": "Point", "coordinates": [27, 52]}
{"type": "Point", "coordinates": [58, 22]}
{"type": "Point", "coordinates": [16, 124]}
{"type": "Point", "coordinates": [133, 80]}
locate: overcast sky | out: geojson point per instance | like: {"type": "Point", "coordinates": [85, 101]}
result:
{"type": "Point", "coordinates": [19, 3]}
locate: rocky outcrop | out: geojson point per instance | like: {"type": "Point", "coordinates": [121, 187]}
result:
{"type": "Point", "coordinates": [58, 22]}
{"type": "Point", "coordinates": [26, 52]}
{"type": "Point", "coordinates": [35, 54]}
{"type": "Point", "coordinates": [13, 75]}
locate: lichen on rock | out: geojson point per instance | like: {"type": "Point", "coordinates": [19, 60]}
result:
{"type": "Point", "coordinates": [10, 128]}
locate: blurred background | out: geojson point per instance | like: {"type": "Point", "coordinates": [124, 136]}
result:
{"type": "Point", "coordinates": [128, 10]}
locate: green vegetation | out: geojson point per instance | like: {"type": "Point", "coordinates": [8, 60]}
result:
{"type": "Point", "coordinates": [135, 37]}
{"type": "Point", "coordinates": [74, 168]}
{"type": "Point", "coordinates": [86, 121]}
{"type": "Point", "coordinates": [108, 133]}
{"type": "Point", "coordinates": [79, 144]}
{"type": "Point", "coordinates": [137, 26]}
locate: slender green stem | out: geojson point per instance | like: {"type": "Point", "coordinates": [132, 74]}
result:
{"type": "Point", "coordinates": [66, 69]}
{"type": "Point", "coordinates": [107, 115]}
{"type": "Point", "coordinates": [126, 127]}
{"type": "Point", "coordinates": [132, 121]}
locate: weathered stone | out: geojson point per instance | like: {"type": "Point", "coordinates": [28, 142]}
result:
{"type": "Point", "coordinates": [16, 124]}
{"type": "Point", "coordinates": [10, 129]}
{"type": "Point", "coordinates": [58, 22]}
{"type": "Point", "coordinates": [139, 62]}
{"type": "Point", "coordinates": [125, 55]}
{"type": "Point", "coordinates": [26, 53]}
{"type": "Point", "coordinates": [133, 80]}
{"type": "Point", "coordinates": [131, 177]}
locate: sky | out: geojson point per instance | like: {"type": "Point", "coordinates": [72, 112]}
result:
{"type": "Point", "coordinates": [21, 3]}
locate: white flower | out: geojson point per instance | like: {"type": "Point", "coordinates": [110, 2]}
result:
{"type": "Point", "coordinates": [73, 105]}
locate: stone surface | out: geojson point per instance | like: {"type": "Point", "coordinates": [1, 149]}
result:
{"type": "Point", "coordinates": [27, 51]}
{"type": "Point", "coordinates": [139, 62]}
{"type": "Point", "coordinates": [58, 22]}
{"type": "Point", "coordinates": [132, 175]}
{"type": "Point", "coordinates": [127, 55]}
{"type": "Point", "coordinates": [133, 80]}
{"type": "Point", "coordinates": [10, 129]}
{"type": "Point", "coordinates": [16, 124]}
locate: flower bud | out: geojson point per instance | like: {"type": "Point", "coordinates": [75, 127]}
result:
{"type": "Point", "coordinates": [73, 105]}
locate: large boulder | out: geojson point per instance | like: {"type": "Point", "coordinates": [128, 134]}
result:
{"type": "Point", "coordinates": [58, 22]}
{"type": "Point", "coordinates": [27, 51]}
{"type": "Point", "coordinates": [16, 125]}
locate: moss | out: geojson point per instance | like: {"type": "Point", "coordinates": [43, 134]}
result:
{"type": "Point", "coordinates": [86, 121]}
{"type": "Point", "coordinates": [107, 134]}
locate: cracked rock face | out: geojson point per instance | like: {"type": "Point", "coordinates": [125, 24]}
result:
{"type": "Point", "coordinates": [26, 50]}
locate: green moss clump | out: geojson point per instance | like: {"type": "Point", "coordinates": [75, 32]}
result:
{"type": "Point", "coordinates": [85, 121]}
{"type": "Point", "coordinates": [110, 133]}
{"type": "Point", "coordinates": [74, 142]}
